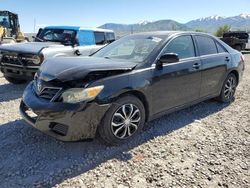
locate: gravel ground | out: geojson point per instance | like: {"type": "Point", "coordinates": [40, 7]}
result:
{"type": "Point", "coordinates": [206, 145]}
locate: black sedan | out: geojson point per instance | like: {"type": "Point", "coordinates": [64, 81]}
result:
{"type": "Point", "coordinates": [129, 82]}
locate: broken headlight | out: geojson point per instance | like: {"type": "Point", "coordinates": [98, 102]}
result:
{"type": "Point", "coordinates": [76, 95]}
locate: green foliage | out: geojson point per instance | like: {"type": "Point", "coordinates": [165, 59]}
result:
{"type": "Point", "coordinates": [222, 30]}
{"type": "Point", "coordinates": [200, 30]}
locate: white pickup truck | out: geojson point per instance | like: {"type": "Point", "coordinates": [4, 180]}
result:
{"type": "Point", "coordinates": [19, 62]}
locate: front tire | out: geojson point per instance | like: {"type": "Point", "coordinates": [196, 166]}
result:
{"type": "Point", "coordinates": [228, 89]}
{"type": "Point", "coordinates": [14, 80]}
{"type": "Point", "coordinates": [124, 120]}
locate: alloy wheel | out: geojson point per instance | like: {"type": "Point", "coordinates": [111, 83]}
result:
{"type": "Point", "coordinates": [125, 121]}
{"type": "Point", "coordinates": [230, 87]}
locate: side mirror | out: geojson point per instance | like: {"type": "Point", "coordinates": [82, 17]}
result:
{"type": "Point", "coordinates": [169, 58]}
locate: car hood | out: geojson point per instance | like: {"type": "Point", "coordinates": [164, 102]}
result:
{"type": "Point", "coordinates": [74, 68]}
{"type": "Point", "coordinates": [29, 47]}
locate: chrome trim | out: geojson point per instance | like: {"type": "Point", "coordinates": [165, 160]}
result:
{"type": "Point", "coordinates": [55, 96]}
{"type": "Point", "coordinates": [13, 65]}
{"type": "Point", "coordinates": [182, 61]}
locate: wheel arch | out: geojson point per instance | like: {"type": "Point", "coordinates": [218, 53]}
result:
{"type": "Point", "coordinates": [141, 97]}
{"type": "Point", "coordinates": [235, 72]}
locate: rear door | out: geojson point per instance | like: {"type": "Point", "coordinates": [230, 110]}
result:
{"type": "Point", "coordinates": [215, 60]}
{"type": "Point", "coordinates": [89, 42]}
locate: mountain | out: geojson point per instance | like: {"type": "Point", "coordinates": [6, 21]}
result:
{"type": "Point", "coordinates": [124, 29]}
{"type": "Point", "coordinates": [208, 24]}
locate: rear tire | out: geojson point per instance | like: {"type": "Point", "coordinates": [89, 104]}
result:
{"type": "Point", "coordinates": [14, 80]}
{"type": "Point", "coordinates": [124, 120]}
{"type": "Point", "coordinates": [228, 89]}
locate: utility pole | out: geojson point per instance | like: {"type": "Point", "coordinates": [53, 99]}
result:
{"type": "Point", "coordinates": [34, 29]}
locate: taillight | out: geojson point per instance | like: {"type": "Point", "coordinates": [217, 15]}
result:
{"type": "Point", "coordinates": [243, 58]}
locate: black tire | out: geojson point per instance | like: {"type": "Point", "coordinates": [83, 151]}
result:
{"type": "Point", "coordinates": [238, 47]}
{"type": "Point", "coordinates": [14, 80]}
{"type": "Point", "coordinates": [110, 133]}
{"type": "Point", "coordinates": [228, 89]}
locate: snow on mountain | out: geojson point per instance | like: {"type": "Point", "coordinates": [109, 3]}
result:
{"type": "Point", "coordinates": [143, 22]}
{"type": "Point", "coordinates": [211, 24]}
{"type": "Point", "coordinates": [215, 17]}
{"type": "Point", "coordinates": [208, 24]}
{"type": "Point", "coordinates": [245, 15]}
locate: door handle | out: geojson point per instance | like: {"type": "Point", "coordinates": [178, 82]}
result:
{"type": "Point", "coordinates": [227, 59]}
{"type": "Point", "coordinates": [196, 65]}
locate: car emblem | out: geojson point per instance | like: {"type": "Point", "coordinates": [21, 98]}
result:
{"type": "Point", "coordinates": [39, 87]}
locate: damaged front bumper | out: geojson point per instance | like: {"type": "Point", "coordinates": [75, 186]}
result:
{"type": "Point", "coordinates": [63, 121]}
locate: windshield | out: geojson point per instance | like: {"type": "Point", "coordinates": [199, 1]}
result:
{"type": "Point", "coordinates": [133, 48]}
{"type": "Point", "coordinates": [64, 36]}
{"type": "Point", "coordinates": [4, 21]}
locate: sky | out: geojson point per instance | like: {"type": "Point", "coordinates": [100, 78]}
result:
{"type": "Point", "coordinates": [93, 13]}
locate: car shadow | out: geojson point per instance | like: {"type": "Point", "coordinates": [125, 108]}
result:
{"type": "Point", "coordinates": [10, 91]}
{"type": "Point", "coordinates": [30, 158]}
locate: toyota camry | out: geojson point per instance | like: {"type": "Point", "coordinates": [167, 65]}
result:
{"type": "Point", "coordinates": [133, 80]}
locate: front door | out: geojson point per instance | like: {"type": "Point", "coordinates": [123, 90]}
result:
{"type": "Point", "coordinates": [177, 83]}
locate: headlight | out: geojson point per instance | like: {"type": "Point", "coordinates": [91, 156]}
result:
{"type": "Point", "coordinates": [76, 95]}
{"type": "Point", "coordinates": [36, 59]}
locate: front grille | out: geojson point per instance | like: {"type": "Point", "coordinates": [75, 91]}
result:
{"type": "Point", "coordinates": [17, 59]}
{"type": "Point", "coordinates": [11, 59]}
{"type": "Point", "coordinates": [46, 90]}
{"type": "Point", "coordinates": [50, 93]}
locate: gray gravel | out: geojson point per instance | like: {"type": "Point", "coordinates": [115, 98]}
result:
{"type": "Point", "coordinates": [207, 145]}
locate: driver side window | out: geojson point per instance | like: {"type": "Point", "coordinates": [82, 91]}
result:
{"type": "Point", "coordinates": [183, 46]}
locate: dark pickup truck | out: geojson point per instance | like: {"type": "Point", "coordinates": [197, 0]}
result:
{"type": "Point", "coordinates": [236, 40]}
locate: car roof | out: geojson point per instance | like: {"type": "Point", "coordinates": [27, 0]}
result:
{"type": "Point", "coordinates": [6, 11]}
{"type": "Point", "coordinates": [166, 34]}
{"type": "Point", "coordinates": [79, 28]}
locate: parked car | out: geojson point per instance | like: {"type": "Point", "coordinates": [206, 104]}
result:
{"type": "Point", "coordinates": [19, 62]}
{"type": "Point", "coordinates": [236, 39]}
{"type": "Point", "coordinates": [129, 82]}
{"type": "Point", "coordinates": [248, 44]}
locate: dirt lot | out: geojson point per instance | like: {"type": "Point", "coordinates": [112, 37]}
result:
{"type": "Point", "coordinates": [207, 145]}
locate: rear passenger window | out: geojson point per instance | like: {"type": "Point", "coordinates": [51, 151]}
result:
{"type": "Point", "coordinates": [99, 38]}
{"type": "Point", "coordinates": [85, 37]}
{"type": "Point", "coordinates": [183, 46]}
{"type": "Point", "coordinates": [206, 45]}
{"type": "Point", "coordinates": [220, 48]}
